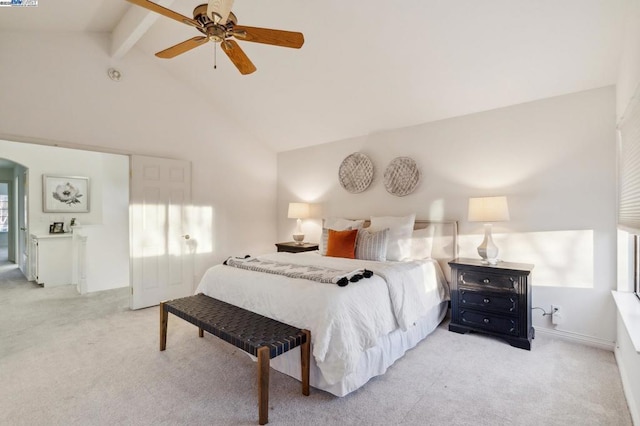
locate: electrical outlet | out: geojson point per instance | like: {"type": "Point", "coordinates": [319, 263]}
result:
{"type": "Point", "coordinates": [556, 315]}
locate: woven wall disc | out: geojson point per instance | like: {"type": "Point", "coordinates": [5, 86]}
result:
{"type": "Point", "coordinates": [401, 176]}
{"type": "Point", "coordinates": [356, 173]}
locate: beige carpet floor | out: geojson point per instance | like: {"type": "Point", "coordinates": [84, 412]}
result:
{"type": "Point", "coordinates": [67, 359]}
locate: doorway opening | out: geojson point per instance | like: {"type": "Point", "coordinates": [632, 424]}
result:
{"type": "Point", "coordinates": [12, 241]}
{"type": "Point", "coordinates": [4, 222]}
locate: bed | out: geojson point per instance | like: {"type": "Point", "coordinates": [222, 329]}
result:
{"type": "Point", "coordinates": [358, 330]}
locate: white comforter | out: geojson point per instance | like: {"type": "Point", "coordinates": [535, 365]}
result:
{"type": "Point", "coordinates": [344, 321]}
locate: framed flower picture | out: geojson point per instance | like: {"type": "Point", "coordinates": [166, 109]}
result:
{"type": "Point", "coordinates": [65, 194]}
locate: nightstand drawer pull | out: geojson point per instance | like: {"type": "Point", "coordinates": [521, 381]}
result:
{"type": "Point", "coordinates": [486, 300]}
{"type": "Point", "coordinates": [486, 281]}
{"type": "Point", "coordinates": [486, 320]}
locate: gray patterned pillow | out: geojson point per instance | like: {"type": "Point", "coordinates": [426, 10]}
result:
{"type": "Point", "coordinates": [372, 245]}
{"type": "Point", "coordinates": [400, 228]}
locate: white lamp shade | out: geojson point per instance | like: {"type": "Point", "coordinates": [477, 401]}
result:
{"type": "Point", "coordinates": [298, 211]}
{"type": "Point", "coordinates": [488, 209]}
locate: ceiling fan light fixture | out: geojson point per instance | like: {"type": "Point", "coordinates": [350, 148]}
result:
{"type": "Point", "coordinates": [217, 23]}
{"type": "Point", "coordinates": [215, 18]}
{"type": "Point", "coordinates": [114, 74]}
{"type": "Point", "coordinates": [218, 10]}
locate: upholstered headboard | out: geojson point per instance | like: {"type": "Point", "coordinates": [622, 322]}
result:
{"type": "Point", "coordinates": [445, 241]}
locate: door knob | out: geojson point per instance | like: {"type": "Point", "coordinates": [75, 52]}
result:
{"type": "Point", "coordinates": [186, 237]}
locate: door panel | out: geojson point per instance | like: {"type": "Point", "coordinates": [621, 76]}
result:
{"type": "Point", "coordinates": [160, 196]}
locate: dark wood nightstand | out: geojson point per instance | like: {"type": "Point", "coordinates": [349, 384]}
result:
{"type": "Point", "coordinates": [293, 247]}
{"type": "Point", "coordinates": [492, 299]}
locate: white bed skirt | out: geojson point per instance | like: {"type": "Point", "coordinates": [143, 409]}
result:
{"type": "Point", "coordinates": [374, 361]}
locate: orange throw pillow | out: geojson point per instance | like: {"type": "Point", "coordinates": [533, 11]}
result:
{"type": "Point", "coordinates": [342, 243]}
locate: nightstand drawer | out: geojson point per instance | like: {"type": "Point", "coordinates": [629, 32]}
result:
{"type": "Point", "coordinates": [489, 322]}
{"type": "Point", "coordinates": [501, 303]}
{"type": "Point", "coordinates": [488, 279]}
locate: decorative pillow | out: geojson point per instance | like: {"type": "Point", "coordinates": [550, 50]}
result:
{"type": "Point", "coordinates": [422, 243]}
{"type": "Point", "coordinates": [338, 224]}
{"type": "Point", "coordinates": [342, 243]}
{"type": "Point", "coordinates": [372, 245]}
{"type": "Point", "coordinates": [400, 229]}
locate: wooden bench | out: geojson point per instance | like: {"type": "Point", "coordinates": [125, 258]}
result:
{"type": "Point", "coordinates": [258, 335]}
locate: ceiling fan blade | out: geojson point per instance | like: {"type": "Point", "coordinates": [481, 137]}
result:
{"type": "Point", "coordinates": [179, 48]}
{"type": "Point", "coordinates": [238, 57]}
{"type": "Point", "coordinates": [218, 10]}
{"type": "Point", "coordinates": [269, 36]}
{"type": "Point", "coordinates": [166, 12]}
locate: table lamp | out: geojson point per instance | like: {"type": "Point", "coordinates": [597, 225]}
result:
{"type": "Point", "coordinates": [298, 211]}
{"type": "Point", "coordinates": [487, 210]}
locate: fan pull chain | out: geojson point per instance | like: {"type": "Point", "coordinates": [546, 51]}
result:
{"type": "Point", "coordinates": [215, 56]}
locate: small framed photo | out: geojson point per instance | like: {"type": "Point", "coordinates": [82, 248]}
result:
{"type": "Point", "coordinates": [56, 228]}
{"type": "Point", "coordinates": [65, 194]}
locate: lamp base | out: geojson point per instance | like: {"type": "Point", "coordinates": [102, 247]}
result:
{"type": "Point", "coordinates": [487, 250]}
{"type": "Point", "coordinates": [298, 238]}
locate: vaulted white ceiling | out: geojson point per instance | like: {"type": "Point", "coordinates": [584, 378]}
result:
{"type": "Point", "coordinates": [368, 65]}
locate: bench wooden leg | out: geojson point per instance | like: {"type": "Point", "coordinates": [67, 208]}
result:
{"type": "Point", "coordinates": [164, 319]}
{"type": "Point", "coordinates": [200, 332]}
{"type": "Point", "coordinates": [305, 353]}
{"type": "Point", "coordinates": [263, 385]}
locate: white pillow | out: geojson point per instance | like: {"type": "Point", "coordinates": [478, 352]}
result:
{"type": "Point", "coordinates": [422, 243]}
{"type": "Point", "coordinates": [372, 245]}
{"type": "Point", "coordinates": [400, 229]}
{"type": "Point", "coordinates": [341, 224]}
{"type": "Point", "coordinates": [337, 224]}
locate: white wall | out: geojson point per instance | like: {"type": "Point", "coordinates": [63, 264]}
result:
{"type": "Point", "coordinates": [41, 160]}
{"type": "Point", "coordinates": [628, 83]}
{"type": "Point", "coordinates": [59, 91]}
{"type": "Point", "coordinates": [554, 159]}
{"type": "Point", "coordinates": [108, 218]}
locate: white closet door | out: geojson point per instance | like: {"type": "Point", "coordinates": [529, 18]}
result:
{"type": "Point", "coordinates": [161, 268]}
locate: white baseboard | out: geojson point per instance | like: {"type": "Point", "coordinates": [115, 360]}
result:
{"type": "Point", "coordinates": [576, 338]}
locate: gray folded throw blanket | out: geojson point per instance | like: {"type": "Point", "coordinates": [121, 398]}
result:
{"type": "Point", "coordinates": [314, 273]}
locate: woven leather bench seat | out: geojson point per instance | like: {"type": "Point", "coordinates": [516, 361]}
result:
{"type": "Point", "coordinates": [256, 334]}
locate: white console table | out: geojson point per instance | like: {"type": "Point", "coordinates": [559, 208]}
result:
{"type": "Point", "coordinates": [52, 259]}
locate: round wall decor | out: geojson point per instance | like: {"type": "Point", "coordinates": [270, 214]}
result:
{"type": "Point", "coordinates": [401, 176]}
{"type": "Point", "coordinates": [356, 172]}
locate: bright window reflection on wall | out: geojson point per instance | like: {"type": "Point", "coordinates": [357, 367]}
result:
{"type": "Point", "coordinates": [560, 258]}
{"type": "Point", "coordinates": [201, 220]}
{"type": "Point", "coordinates": [164, 229]}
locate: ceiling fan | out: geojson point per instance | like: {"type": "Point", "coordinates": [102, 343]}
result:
{"type": "Point", "coordinates": [218, 24]}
